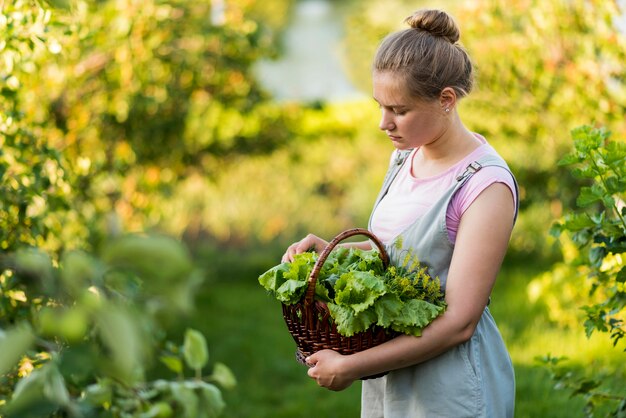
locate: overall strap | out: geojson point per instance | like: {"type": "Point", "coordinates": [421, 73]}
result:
{"type": "Point", "coordinates": [487, 161]}
{"type": "Point", "coordinates": [394, 167]}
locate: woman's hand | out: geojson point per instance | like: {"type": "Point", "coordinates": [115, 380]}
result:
{"type": "Point", "coordinates": [310, 242]}
{"type": "Point", "coordinates": [330, 370]}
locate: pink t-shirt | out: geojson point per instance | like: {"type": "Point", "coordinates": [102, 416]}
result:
{"type": "Point", "coordinates": [408, 197]}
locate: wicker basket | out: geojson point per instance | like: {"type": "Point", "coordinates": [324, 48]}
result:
{"type": "Point", "coordinates": [309, 321]}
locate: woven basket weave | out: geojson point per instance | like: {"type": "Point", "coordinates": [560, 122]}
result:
{"type": "Point", "coordinates": [309, 321]}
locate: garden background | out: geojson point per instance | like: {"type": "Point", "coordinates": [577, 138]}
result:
{"type": "Point", "coordinates": [148, 138]}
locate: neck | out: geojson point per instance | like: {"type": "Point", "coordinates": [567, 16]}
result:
{"type": "Point", "coordinates": [455, 142]}
{"type": "Point", "coordinates": [447, 149]}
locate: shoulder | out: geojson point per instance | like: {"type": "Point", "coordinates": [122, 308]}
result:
{"type": "Point", "coordinates": [485, 177]}
{"type": "Point", "coordinates": [491, 166]}
{"type": "Point", "coordinates": [492, 171]}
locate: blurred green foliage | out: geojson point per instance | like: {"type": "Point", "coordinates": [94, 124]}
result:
{"type": "Point", "coordinates": [94, 329]}
{"type": "Point", "coordinates": [543, 68]}
{"type": "Point", "coordinates": [597, 232]}
{"type": "Point", "coordinates": [127, 116]}
{"type": "Point", "coordinates": [82, 331]}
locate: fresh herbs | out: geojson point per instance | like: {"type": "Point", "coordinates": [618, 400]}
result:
{"type": "Point", "coordinates": [360, 292]}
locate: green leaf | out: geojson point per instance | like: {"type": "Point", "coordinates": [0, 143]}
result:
{"type": "Point", "coordinates": [291, 291]}
{"type": "Point", "coordinates": [584, 172]}
{"type": "Point", "coordinates": [358, 290]}
{"type": "Point", "coordinates": [125, 341]}
{"type": "Point", "coordinates": [578, 221]}
{"type": "Point", "coordinates": [274, 277]}
{"type": "Point", "coordinates": [556, 229]}
{"type": "Point", "coordinates": [224, 376]}
{"type": "Point", "coordinates": [173, 363]}
{"type": "Point", "coordinates": [13, 344]}
{"type": "Point", "coordinates": [568, 160]}
{"type": "Point", "coordinates": [287, 281]}
{"type": "Point", "coordinates": [186, 397]}
{"type": "Point", "coordinates": [585, 387]}
{"type": "Point", "coordinates": [211, 399]}
{"type": "Point", "coordinates": [596, 255]}
{"type": "Point", "coordinates": [158, 410]}
{"type": "Point", "coordinates": [195, 349]}
{"type": "Point", "coordinates": [28, 396]}
{"type": "Point", "coordinates": [588, 196]}
{"type": "Point", "coordinates": [415, 315]}
{"type": "Point", "coordinates": [348, 322]}
{"type": "Point", "coordinates": [387, 307]}
{"type": "Point", "coordinates": [99, 394]}
{"type": "Point", "coordinates": [54, 386]}
{"type": "Point", "coordinates": [322, 292]}
{"type": "Point", "coordinates": [38, 394]}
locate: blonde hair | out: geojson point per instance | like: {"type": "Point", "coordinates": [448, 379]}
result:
{"type": "Point", "coordinates": [428, 55]}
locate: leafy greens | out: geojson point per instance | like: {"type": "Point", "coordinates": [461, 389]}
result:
{"type": "Point", "coordinates": [359, 292]}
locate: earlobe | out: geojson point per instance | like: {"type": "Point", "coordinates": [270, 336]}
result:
{"type": "Point", "coordinates": [447, 98]}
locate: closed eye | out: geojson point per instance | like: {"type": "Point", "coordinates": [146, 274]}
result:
{"type": "Point", "coordinates": [395, 110]}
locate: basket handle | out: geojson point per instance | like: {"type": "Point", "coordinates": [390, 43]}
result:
{"type": "Point", "coordinates": [310, 293]}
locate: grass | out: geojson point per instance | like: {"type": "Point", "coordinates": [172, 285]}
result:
{"type": "Point", "coordinates": [245, 330]}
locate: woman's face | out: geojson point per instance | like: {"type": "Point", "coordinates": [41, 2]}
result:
{"type": "Point", "coordinates": [407, 121]}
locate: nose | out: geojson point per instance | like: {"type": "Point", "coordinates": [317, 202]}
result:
{"type": "Point", "coordinates": [386, 121]}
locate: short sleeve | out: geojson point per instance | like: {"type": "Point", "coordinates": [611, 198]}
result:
{"type": "Point", "coordinates": [479, 181]}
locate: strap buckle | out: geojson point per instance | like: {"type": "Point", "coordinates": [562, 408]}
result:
{"type": "Point", "coordinates": [471, 168]}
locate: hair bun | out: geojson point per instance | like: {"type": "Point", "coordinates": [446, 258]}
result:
{"type": "Point", "coordinates": [436, 22]}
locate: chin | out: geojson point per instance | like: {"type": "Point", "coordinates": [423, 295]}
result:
{"type": "Point", "coordinates": [401, 146]}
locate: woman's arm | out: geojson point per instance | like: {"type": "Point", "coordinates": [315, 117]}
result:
{"type": "Point", "coordinates": [481, 244]}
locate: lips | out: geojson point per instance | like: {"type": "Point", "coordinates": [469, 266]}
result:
{"type": "Point", "coordinates": [393, 137]}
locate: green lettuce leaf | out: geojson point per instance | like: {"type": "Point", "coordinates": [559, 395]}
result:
{"type": "Point", "coordinates": [322, 291]}
{"type": "Point", "coordinates": [291, 291]}
{"type": "Point", "coordinates": [287, 281]}
{"type": "Point", "coordinates": [358, 290]}
{"type": "Point", "coordinates": [415, 315]}
{"type": "Point", "coordinates": [274, 277]}
{"type": "Point", "coordinates": [349, 322]}
{"type": "Point", "coordinates": [388, 307]}
{"type": "Point", "coordinates": [363, 260]}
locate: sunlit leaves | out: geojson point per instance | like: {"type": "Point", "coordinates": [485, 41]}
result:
{"type": "Point", "coordinates": [598, 227]}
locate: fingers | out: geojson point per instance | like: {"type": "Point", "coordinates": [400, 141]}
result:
{"type": "Point", "coordinates": [307, 243]}
{"type": "Point", "coordinates": [312, 372]}
{"type": "Point", "coordinates": [292, 250]}
{"type": "Point", "coordinates": [311, 360]}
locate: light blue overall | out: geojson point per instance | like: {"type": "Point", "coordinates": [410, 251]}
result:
{"type": "Point", "coordinates": [472, 380]}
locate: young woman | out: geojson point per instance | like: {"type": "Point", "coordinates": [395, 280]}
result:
{"type": "Point", "coordinates": [453, 201]}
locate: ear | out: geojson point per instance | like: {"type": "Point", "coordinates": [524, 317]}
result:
{"type": "Point", "coordinates": [447, 98]}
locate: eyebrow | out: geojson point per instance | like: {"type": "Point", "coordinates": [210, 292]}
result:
{"type": "Point", "coordinates": [389, 105]}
